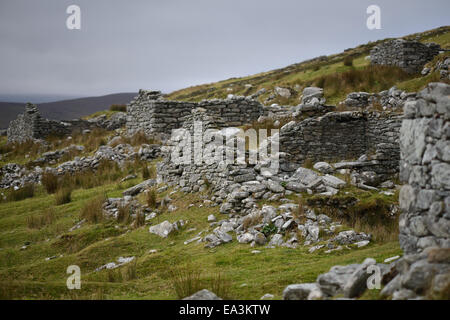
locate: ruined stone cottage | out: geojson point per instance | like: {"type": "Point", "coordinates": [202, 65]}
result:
{"type": "Point", "coordinates": [411, 56]}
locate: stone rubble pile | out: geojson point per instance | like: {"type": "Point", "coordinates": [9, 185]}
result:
{"type": "Point", "coordinates": [391, 99]}
{"type": "Point", "coordinates": [14, 175]}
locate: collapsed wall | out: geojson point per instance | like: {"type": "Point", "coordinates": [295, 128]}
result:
{"type": "Point", "coordinates": [153, 114]}
{"type": "Point", "coordinates": [344, 135]}
{"type": "Point", "coordinates": [30, 125]}
{"type": "Point", "coordinates": [411, 56]}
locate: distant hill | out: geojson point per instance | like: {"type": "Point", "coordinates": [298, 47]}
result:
{"type": "Point", "coordinates": [65, 109]}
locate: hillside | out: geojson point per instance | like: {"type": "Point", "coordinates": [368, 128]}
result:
{"type": "Point", "coordinates": [118, 203]}
{"type": "Point", "coordinates": [328, 72]}
{"type": "Point", "coordinates": [65, 109]}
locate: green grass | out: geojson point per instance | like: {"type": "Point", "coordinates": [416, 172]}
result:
{"type": "Point", "coordinates": [308, 73]}
{"type": "Point", "coordinates": [25, 274]}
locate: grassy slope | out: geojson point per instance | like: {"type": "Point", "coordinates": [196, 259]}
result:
{"type": "Point", "coordinates": [26, 273]}
{"type": "Point", "coordinates": [308, 73]}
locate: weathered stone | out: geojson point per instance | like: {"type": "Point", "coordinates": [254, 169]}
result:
{"type": "Point", "coordinates": [163, 229]}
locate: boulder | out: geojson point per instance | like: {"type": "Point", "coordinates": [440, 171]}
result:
{"type": "Point", "coordinates": [357, 282]}
{"type": "Point", "coordinates": [323, 167]}
{"type": "Point", "coordinates": [135, 190]}
{"type": "Point", "coordinates": [203, 295]}
{"type": "Point", "coordinates": [163, 229]}
{"type": "Point", "coordinates": [299, 291]}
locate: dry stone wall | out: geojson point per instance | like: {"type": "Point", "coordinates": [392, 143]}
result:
{"type": "Point", "coordinates": [344, 135]}
{"type": "Point", "coordinates": [411, 56]}
{"type": "Point", "coordinates": [425, 168]}
{"type": "Point", "coordinates": [30, 125]}
{"type": "Point", "coordinates": [151, 113]}
{"type": "Point", "coordinates": [424, 270]}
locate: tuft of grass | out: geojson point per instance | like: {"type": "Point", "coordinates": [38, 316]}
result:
{"type": "Point", "coordinates": [118, 107]}
{"type": "Point", "coordinates": [129, 271]}
{"type": "Point", "coordinates": [373, 78]}
{"type": "Point", "coordinates": [348, 61]}
{"type": "Point", "coordinates": [185, 281]}
{"type": "Point", "coordinates": [27, 191]}
{"type": "Point", "coordinates": [50, 182]}
{"type": "Point", "coordinates": [63, 196]}
{"type": "Point", "coordinates": [251, 220]}
{"type": "Point", "coordinates": [139, 220]}
{"type": "Point", "coordinates": [42, 220]}
{"type": "Point", "coordinates": [93, 210]}
{"type": "Point", "coordinates": [151, 198]}
{"type": "Point", "coordinates": [137, 139]}
{"type": "Point", "coordinates": [148, 173]}
{"type": "Point", "coordinates": [308, 163]}
{"type": "Point", "coordinates": [124, 214]}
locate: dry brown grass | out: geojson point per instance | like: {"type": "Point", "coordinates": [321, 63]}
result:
{"type": "Point", "coordinates": [41, 220]}
{"type": "Point", "coordinates": [124, 214]}
{"type": "Point", "coordinates": [372, 78]}
{"type": "Point", "coordinates": [189, 280]}
{"type": "Point", "coordinates": [136, 139]}
{"type": "Point", "coordinates": [91, 141]}
{"type": "Point", "coordinates": [151, 198]}
{"type": "Point", "coordinates": [63, 196]}
{"type": "Point", "coordinates": [50, 182]}
{"type": "Point", "coordinates": [148, 173]}
{"type": "Point", "coordinates": [20, 149]}
{"type": "Point", "coordinates": [251, 220]}
{"type": "Point", "coordinates": [93, 210]}
{"type": "Point", "coordinates": [308, 163]}
{"type": "Point", "coordinates": [118, 107]}
{"type": "Point", "coordinates": [106, 172]}
{"type": "Point", "coordinates": [27, 191]}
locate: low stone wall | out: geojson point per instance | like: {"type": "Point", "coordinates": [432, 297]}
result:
{"type": "Point", "coordinates": [152, 114]}
{"type": "Point", "coordinates": [344, 135]}
{"type": "Point", "coordinates": [411, 56]}
{"type": "Point", "coordinates": [425, 168]}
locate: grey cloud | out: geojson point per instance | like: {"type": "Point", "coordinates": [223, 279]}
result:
{"type": "Point", "coordinates": [167, 45]}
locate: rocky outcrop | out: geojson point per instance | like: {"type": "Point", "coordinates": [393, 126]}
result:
{"type": "Point", "coordinates": [391, 99]}
{"type": "Point", "coordinates": [411, 56]}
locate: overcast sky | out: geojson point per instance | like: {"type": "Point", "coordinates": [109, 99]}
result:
{"type": "Point", "coordinates": [166, 45]}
